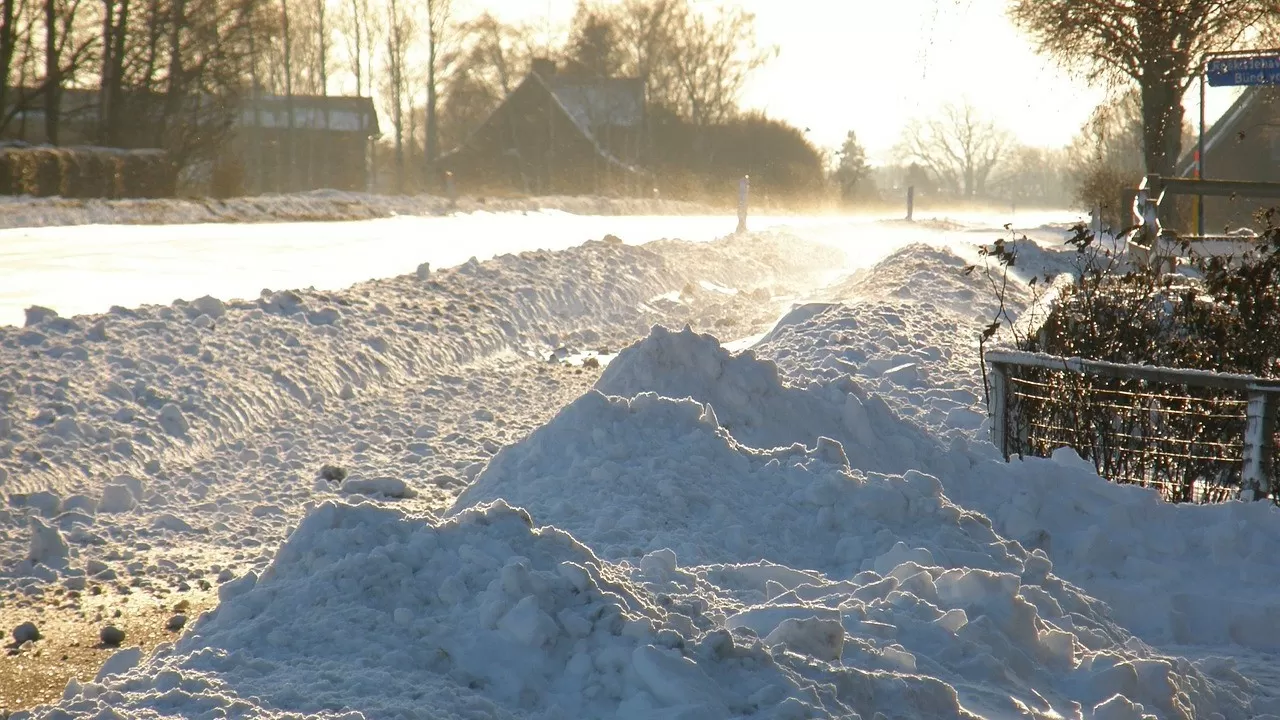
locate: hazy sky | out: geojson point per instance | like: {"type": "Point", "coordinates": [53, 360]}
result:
{"type": "Point", "coordinates": [872, 65]}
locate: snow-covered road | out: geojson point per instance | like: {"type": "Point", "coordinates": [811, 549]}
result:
{"type": "Point", "coordinates": [88, 268]}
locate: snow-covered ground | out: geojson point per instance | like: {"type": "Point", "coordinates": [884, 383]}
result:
{"type": "Point", "coordinates": [426, 496]}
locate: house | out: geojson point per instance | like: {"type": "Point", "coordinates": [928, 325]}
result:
{"type": "Point", "coordinates": [1244, 144]}
{"type": "Point", "coordinates": [326, 145]}
{"type": "Point", "coordinates": [277, 144]}
{"type": "Point", "coordinates": [558, 134]}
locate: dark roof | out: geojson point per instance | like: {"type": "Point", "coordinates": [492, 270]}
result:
{"type": "Point", "coordinates": [1225, 128]}
{"type": "Point", "coordinates": [575, 102]}
{"type": "Point", "coordinates": [595, 103]}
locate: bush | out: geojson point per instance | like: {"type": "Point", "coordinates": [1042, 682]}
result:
{"type": "Point", "coordinates": [1226, 320]}
{"type": "Point", "coordinates": [1185, 440]}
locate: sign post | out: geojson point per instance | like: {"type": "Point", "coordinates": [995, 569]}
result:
{"type": "Point", "coordinates": [1231, 69]}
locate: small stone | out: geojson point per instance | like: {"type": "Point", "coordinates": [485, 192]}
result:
{"type": "Point", "coordinates": [176, 623]}
{"type": "Point", "coordinates": [26, 632]}
{"type": "Point", "coordinates": [111, 636]}
{"type": "Point", "coordinates": [333, 473]}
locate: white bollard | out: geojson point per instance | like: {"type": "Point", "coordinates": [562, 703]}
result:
{"type": "Point", "coordinates": [744, 187]}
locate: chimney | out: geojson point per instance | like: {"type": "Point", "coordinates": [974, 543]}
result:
{"type": "Point", "coordinates": [544, 67]}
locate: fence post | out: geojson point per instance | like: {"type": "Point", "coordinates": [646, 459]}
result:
{"type": "Point", "coordinates": [744, 186]}
{"type": "Point", "coordinates": [1260, 421]}
{"type": "Point", "coordinates": [999, 409]}
{"type": "Point", "coordinates": [911, 201]}
{"type": "Point", "coordinates": [1095, 221]}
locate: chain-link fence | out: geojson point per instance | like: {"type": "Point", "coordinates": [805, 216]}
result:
{"type": "Point", "coordinates": [1195, 436]}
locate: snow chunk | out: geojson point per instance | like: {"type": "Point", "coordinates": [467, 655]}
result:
{"type": "Point", "coordinates": [209, 306]}
{"type": "Point", "coordinates": [818, 637]}
{"type": "Point", "coordinates": [37, 314]}
{"type": "Point", "coordinates": [48, 547]}
{"type": "Point", "coordinates": [120, 662]}
{"type": "Point", "coordinates": [390, 487]}
{"type": "Point", "coordinates": [173, 421]}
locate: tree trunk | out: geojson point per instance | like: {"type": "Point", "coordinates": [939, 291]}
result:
{"type": "Point", "coordinates": [173, 96]}
{"type": "Point", "coordinates": [1162, 115]}
{"type": "Point", "coordinates": [288, 96]}
{"type": "Point", "coordinates": [1161, 110]}
{"type": "Point", "coordinates": [104, 99]}
{"type": "Point", "coordinates": [7, 36]}
{"type": "Point", "coordinates": [355, 20]}
{"type": "Point", "coordinates": [397, 95]}
{"type": "Point", "coordinates": [432, 150]}
{"type": "Point", "coordinates": [323, 49]}
{"type": "Point", "coordinates": [116, 89]}
{"type": "Point", "coordinates": [53, 79]}
{"type": "Point", "coordinates": [115, 26]}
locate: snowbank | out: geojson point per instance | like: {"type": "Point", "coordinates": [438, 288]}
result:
{"type": "Point", "coordinates": [320, 205]}
{"type": "Point", "coordinates": [632, 476]}
{"type": "Point", "coordinates": [368, 613]}
{"type": "Point", "coordinates": [789, 544]}
{"type": "Point", "coordinates": [1174, 574]}
{"type": "Point", "coordinates": [1161, 567]}
{"type": "Point", "coordinates": [753, 403]}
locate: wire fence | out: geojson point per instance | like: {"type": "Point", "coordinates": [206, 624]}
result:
{"type": "Point", "coordinates": [1193, 436]}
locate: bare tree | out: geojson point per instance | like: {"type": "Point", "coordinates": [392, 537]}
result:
{"type": "Point", "coordinates": [439, 35]}
{"type": "Point", "coordinates": [358, 24]}
{"type": "Point", "coordinates": [399, 32]}
{"type": "Point", "coordinates": [488, 61]}
{"type": "Point", "coordinates": [1157, 44]}
{"type": "Point", "coordinates": [711, 57]}
{"type": "Point", "coordinates": [958, 146]}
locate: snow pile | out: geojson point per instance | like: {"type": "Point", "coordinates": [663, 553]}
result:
{"type": "Point", "coordinates": [119, 392]}
{"type": "Point", "coordinates": [319, 205]}
{"type": "Point", "coordinates": [368, 613]}
{"type": "Point", "coordinates": [632, 476]}
{"type": "Point", "coordinates": [789, 544]}
{"type": "Point", "coordinates": [168, 444]}
{"type": "Point", "coordinates": [753, 403]}
{"type": "Point", "coordinates": [908, 329]}
{"type": "Point", "coordinates": [1162, 567]}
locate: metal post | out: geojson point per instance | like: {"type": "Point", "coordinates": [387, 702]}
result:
{"type": "Point", "coordinates": [999, 407]}
{"type": "Point", "coordinates": [1200, 158]}
{"type": "Point", "coordinates": [1260, 420]}
{"type": "Point", "coordinates": [744, 186]}
{"type": "Point", "coordinates": [911, 201]}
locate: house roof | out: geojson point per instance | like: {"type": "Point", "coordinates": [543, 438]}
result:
{"type": "Point", "coordinates": [1225, 128]}
{"type": "Point", "coordinates": [596, 103]}
{"type": "Point", "coordinates": [575, 101]}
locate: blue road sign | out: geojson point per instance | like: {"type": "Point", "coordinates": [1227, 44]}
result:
{"type": "Point", "coordinates": [1252, 70]}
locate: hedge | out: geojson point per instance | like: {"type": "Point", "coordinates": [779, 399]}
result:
{"type": "Point", "coordinates": [86, 172]}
